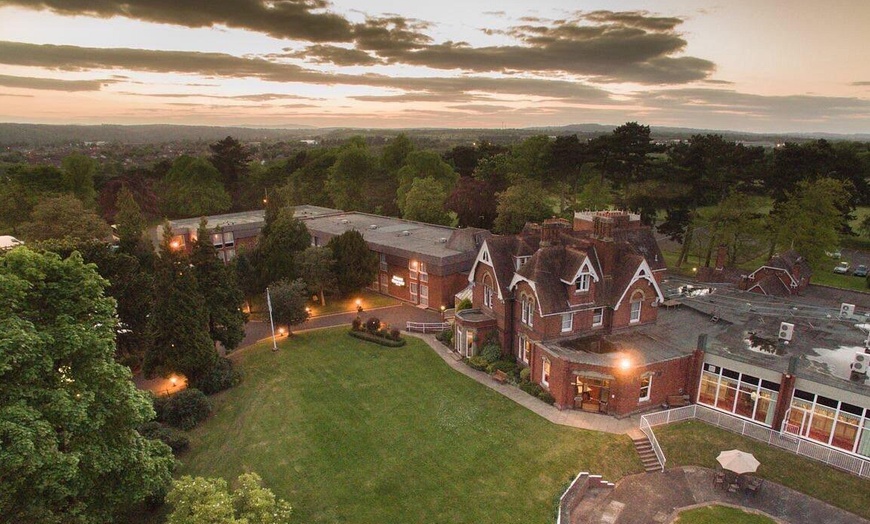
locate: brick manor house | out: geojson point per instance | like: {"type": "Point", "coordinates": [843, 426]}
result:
{"type": "Point", "coordinates": [578, 304]}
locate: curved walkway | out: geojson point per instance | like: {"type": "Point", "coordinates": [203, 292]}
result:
{"type": "Point", "coordinates": [658, 497]}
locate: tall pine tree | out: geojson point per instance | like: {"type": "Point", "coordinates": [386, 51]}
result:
{"type": "Point", "coordinates": [179, 322]}
{"type": "Point", "coordinates": [220, 289]}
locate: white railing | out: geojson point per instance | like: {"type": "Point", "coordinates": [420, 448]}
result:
{"type": "Point", "coordinates": [647, 430]}
{"type": "Point", "coordinates": [427, 327]}
{"type": "Point", "coordinates": [788, 441]}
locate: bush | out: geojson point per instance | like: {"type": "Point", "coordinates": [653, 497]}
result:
{"type": "Point", "coordinates": [445, 337]}
{"type": "Point", "coordinates": [173, 438]}
{"type": "Point", "coordinates": [477, 362]}
{"type": "Point", "coordinates": [491, 352]}
{"type": "Point", "coordinates": [356, 325]}
{"type": "Point", "coordinates": [373, 324]}
{"type": "Point", "coordinates": [395, 334]}
{"type": "Point", "coordinates": [184, 409]}
{"type": "Point", "coordinates": [221, 376]}
{"type": "Point", "coordinates": [465, 303]}
{"type": "Point", "coordinates": [526, 374]}
{"type": "Point", "coordinates": [531, 388]}
{"type": "Point", "coordinates": [546, 396]}
{"type": "Point", "coordinates": [389, 342]}
{"type": "Point", "coordinates": [505, 366]}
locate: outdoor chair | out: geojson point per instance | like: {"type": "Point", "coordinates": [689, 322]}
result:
{"type": "Point", "coordinates": [719, 479]}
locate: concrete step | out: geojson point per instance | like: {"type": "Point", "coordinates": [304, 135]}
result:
{"type": "Point", "coordinates": [646, 453]}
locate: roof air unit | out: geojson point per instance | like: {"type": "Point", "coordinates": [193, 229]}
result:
{"type": "Point", "coordinates": [344, 221]}
{"type": "Point", "coordinates": [786, 331]}
{"type": "Point", "coordinates": [373, 226]}
{"type": "Point", "coordinates": [862, 360]}
{"type": "Point", "coordinates": [405, 233]}
{"type": "Point", "coordinates": [847, 310]}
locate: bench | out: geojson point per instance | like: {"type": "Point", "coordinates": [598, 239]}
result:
{"type": "Point", "coordinates": [500, 376]}
{"type": "Point", "coordinates": [676, 401]}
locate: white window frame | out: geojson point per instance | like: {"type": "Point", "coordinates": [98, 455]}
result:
{"type": "Point", "coordinates": [583, 281]}
{"type": "Point", "coordinates": [598, 312]}
{"type": "Point", "coordinates": [528, 308]}
{"type": "Point", "coordinates": [636, 306]}
{"type": "Point", "coordinates": [413, 290]}
{"type": "Point", "coordinates": [424, 294]}
{"type": "Point", "coordinates": [567, 322]}
{"type": "Point", "coordinates": [229, 239]}
{"type": "Point", "coordinates": [487, 291]}
{"type": "Point", "coordinates": [545, 372]}
{"type": "Point", "coordinates": [217, 240]}
{"type": "Point", "coordinates": [424, 273]}
{"type": "Point", "coordinates": [525, 349]}
{"type": "Point", "coordinates": [648, 378]}
{"type": "Point", "coordinates": [412, 269]}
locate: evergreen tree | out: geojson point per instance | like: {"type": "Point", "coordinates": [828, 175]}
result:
{"type": "Point", "coordinates": [223, 298]}
{"type": "Point", "coordinates": [78, 177]}
{"type": "Point", "coordinates": [356, 266]}
{"type": "Point", "coordinates": [130, 222]}
{"type": "Point", "coordinates": [521, 203]}
{"type": "Point", "coordinates": [68, 412]}
{"type": "Point", "coordinates": [179, 322]}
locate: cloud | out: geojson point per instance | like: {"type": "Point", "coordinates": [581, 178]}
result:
{"type": "Point", "coordinates": [330, 54]}
{"type": "Point", "coordinates": [859, 84]}
{"type": "Point", "coordinates": [73, 58]}
{"type": "Point", "coordinates": [605, 46]}
{"type": "Point", "coordinates": [482, 108]}
{"type": "Point", "coordinates": [286, 19]}
{"type": "Point", "coordinates": [258, 97]}
{"type": "Point", "coordinates": [51, 84]}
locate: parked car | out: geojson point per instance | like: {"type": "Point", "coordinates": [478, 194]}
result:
{"type": "Point", "coordinates": [842, 268]}
{"type": "Point", "coordinates": [860, 271]}
{"type": "Point", "coordinates": [834, 254]}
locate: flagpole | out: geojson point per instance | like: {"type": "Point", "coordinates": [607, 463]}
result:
{"type": "Point", "coordinates": [271, 322]}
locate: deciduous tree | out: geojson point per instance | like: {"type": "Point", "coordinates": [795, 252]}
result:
{"type": "Point", "coordinates": [68, 412]}
{"type": "Point", "coordinates": [64, 217]}
{"type": "Point", "coordinates": [198, 500]}
{"type": "Point", "coordinates": [192, 188]}
{"type": "Point", "coordinates": [521, 203]}
{"type": "Point", "coordinates": [78, 177]}
{"type": "Point", "coordinates": [425, 202]}
{"type": "Point", "coordinates": [289, 298]}
{"type": "Point", "coordinates": [317, 268]}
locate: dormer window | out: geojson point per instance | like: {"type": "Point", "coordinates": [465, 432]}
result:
{"type": "Point", "coordinates": [519, 261]}
{"type": "Point", "coordinates": [582, 282]}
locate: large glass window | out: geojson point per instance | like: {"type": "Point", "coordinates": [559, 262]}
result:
{"type": "Point", "coordinates": [527, 306]}
{"type": "Point", "coordinates": [829, 421]}
{"type": "Point", "coordinates": [412, 269]}
{"type": "Point", "coordinates": [229, 238]}
{"type": "Point", "coordinates": [383, 262]}
{"type": "Point", "coordinates": [738, 393]}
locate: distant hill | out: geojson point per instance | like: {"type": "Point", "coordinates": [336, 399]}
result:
{"type": "Point", "coordinates": [43, 134]}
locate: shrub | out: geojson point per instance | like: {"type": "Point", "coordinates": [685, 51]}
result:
{"type": "Point", "coordinates": [531, 388]}
{"type": "Point", "coordinates": [173, 438]}
{"type": "Point", "coordinates": [373, 324]}
{"type": "Point", "coordinates": [445, 337]}
{"type": "Point", "coordinates": [221, 376]}
{"type": "Point", "coordinates": [491, 352]}
{"type": "Point", "coordinates": [356, 325]}
{"type": "Point", "coordinates": [389, 342]}
{"type": "Point", "coordinates": [465, 303]}
{"type": "Point", "coordinates": [395, 334]}
{"type": "Point", "coordinates": [184, 409]}
{"type": "Point", "coordinates": [526, 375]}
{"type": "Point", "coordinates": [477, 362]}
{"type": "Point", "coordinates": [506, 366]}
{"type": "Point", "coordinates": [546, 396]}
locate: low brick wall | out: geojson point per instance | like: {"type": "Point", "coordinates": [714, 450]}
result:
{"type": "Point", "coordinates": [582, 483]}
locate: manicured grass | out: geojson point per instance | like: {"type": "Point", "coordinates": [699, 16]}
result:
{"type": "Point", "coordinates": [353, 432]}
{"type": "Point", "coordinates": [368, 300]}
{"type": "Point", "coordinates": [719, 514]}
{"type": "Point", "coordinates": [826, 277]}
{"type": "Point", "coordinates": [696, 443]}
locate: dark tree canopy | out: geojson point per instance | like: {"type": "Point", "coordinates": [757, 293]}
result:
{"type": "Point", "coordinates": [193, 188]}
{"type": "Point", "coordinates": [223, 298]}
{"type": "Point", "coordinates": [68, 412]}
{"type": "Point", "coordinates": [474, 203]}
{"type": "Point", "coordinates": [281, 240]}
{"type": "Point", "coordinates": [231, 159]}
{"type": "Point", "coordinates": [356, 266]}
{"type": "Point", "coordinates": [64, 217]}
{"type": "Point", "coordinates": [289, 298]}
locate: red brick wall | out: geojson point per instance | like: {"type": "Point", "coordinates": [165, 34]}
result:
{"type": "Point", "coordinates": [648, 314]}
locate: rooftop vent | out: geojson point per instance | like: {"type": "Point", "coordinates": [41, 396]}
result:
{"type": "Point", "coordinates": [405, 233]}
{"type": "Point", "coordinates": [344, 221]}
{"type": "Point", "coordinates": [442, 240]}
{"type": "Point", "coordinates": [373, 226]}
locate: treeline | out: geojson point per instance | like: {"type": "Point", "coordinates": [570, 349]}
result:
{"type": "Point", "coordinates": [702, 191]}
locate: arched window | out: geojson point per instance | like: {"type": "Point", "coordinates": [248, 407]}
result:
{"type": "Point", "coordinates": [527, 308]}
{"type": "Point", "coordinates": [636, 305]}
{"type": "Point", "coordinates": [487, 291]}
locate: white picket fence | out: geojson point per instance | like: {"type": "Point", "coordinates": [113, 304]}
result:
{"type": "Point", "coordinates": [839, 459]}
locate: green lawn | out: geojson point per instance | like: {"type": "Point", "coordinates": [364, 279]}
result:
{"type": "Point", "coordinates": [696, 443]}
{"type": "Point", "coordinates": [348, 431]}
{"type": "Point", "coordinates": [827, 277]}
{"type": "Point", "coordinates": [719, 514]}
{"type": "Point", "coordinates": [368, 300]}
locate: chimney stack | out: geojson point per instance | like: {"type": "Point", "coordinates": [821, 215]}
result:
{"type": "Point", "coordinates": [721, 256]}
{"type": "Point", "coordinates": [551, 229]}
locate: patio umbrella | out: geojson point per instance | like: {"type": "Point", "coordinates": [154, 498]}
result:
{"type": "Point", "coordinates": [739, 462]}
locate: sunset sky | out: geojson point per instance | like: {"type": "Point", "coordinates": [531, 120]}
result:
{"type": "Point", "coordinates": [768, 65]}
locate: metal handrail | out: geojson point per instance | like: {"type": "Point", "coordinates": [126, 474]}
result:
{"type": "Point", "coordinates": [646, 428]}
{"type": "Point", "coordinates": [426, 327]}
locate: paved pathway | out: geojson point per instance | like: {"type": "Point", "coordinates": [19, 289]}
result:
{"type": "Point", "coordinates": [656, 497]}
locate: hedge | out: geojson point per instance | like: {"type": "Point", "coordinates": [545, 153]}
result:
{"type": "Point", "coordinates": [376, 339]}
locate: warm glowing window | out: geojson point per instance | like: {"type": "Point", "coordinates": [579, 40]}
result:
{"type": "Point", "coordinates": [645, 387]}
{"type": "Point", "coordinates": [545, 372]}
